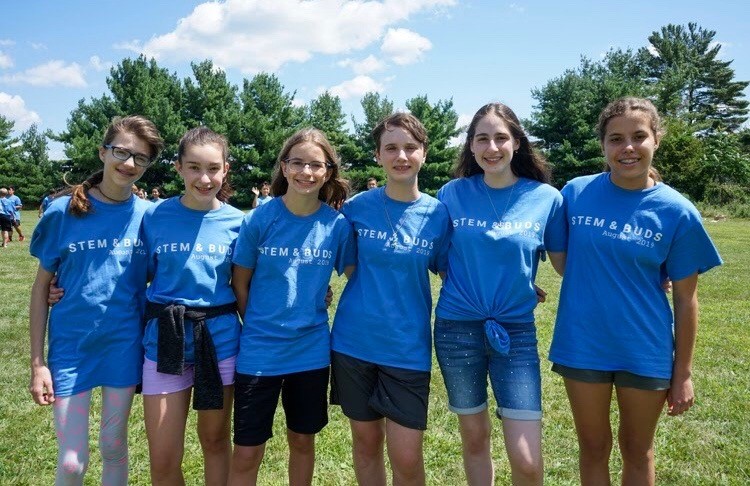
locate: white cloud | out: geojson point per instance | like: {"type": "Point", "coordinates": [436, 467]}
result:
{"type": "Point", "coordinates": [52, 73]}
{"type": "Point", "coordinates": [356, 87]}
{"type": "Point", "coordinates": [38, 46]}
{"type": "Point", "coordinates": [258, 35]}
{"type": "Point", "coordinates": [7, 42]}
{"type": "Point", "coordinates": [723, 50]}
{"type": "Point", "coordinates": [654, 52]}
{"type": "Point", "coordinates": [404, 46]}
{"type": "Point", "coordinates": [463, 122]}
{"type": "Point", "coordinates": [370, 64]}
{"type": "Point", "coordinates": [5, 61]}
{"type": "Point", "coordinates": [14, 108]}
{"type": "Point", "coordinates": [98, 65]}
{"type": "Point", "coordinates": [517, 8]}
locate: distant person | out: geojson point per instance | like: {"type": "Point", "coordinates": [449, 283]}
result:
{"type": "Point", "coordinates": [46, 201]}
{"type": "Point", "coordinates": [156, 195]}
{"type": "Point", "coordinates": [6, 216]}
{"type": "Point", "coordinates": [90, 240]}
{"type": "Point", "coordinates": [134, 189]}
{"type": "Point", "coordinates": [142, 194]}
{"type": "Point", "coordinates": [372, 183]}
{"type": "Point", "coordinates": [263, 196]}
{"type": "Point", "coordinates": [17, 205]}
{"type": "Point", "coordinates": [615, 329]}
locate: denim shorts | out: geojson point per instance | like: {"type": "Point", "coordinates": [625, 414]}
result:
{"type": "Point", "coordinates": [466, 359]}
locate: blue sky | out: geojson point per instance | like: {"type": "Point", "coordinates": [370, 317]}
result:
{"type": "Point", "coordinates": [54, 53]}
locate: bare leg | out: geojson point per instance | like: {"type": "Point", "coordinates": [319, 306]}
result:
{"type": "Point", "coordinates": [475, 440]}
{"type": "Point", "coordinates": [405, 454]}
{"type": "Point", "coordinates": [214, 428]}
{"type": "Point", "coordinates": [367, 452]}
{"type": "Point", "coordinates": [166, 416]}
{"type": "Point", "coordinates": [523, 443]}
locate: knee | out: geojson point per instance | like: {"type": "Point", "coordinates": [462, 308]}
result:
{"type": "Point", "coordinates": [530, 469]}
{"type": "Point", "coordinates": [635, 452]}
{"type": "Point", "coordinates": [476, 441]}
{"type": "Point", "coordinates": [114, 448]}
{"type": "Point", "coordinates": [301, 443]}
{"type": "Point", "coordinates": [72, 467]}
{"type": "Point", "coordinates": [595, 448]}
{"type": "Point", "coordinates": [369, 445]}
{"type": "Point", "coordinates": [165, 463]}
{"type": "Point", "coordinates": [247, 458]}
{"type": "Point", "coordinates": [407, 463]}
{"type": "Point", "coordinates": [215, 443]}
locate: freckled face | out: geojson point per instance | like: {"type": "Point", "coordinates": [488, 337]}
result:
{"type": "Point", "coordinates": [629, 145]}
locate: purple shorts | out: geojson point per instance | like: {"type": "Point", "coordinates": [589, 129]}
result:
{"type": "Point", "coordinates": [155, 383]}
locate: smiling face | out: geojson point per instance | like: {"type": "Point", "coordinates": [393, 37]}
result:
{"type": "Point", "coordinates": [307, 181]}
{"type": "Point", "coordinates": [203, 169]}
{"type": "Point", "coordinates": [400, 154]}
{"type": "Point", "coordinates": [493, 146]}
{"type": "Point", "coordinates": [629, 144]}
{"type": "Point", "coordinates": [123, 173]}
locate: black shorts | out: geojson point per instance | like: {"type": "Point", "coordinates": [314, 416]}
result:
{"type": "Point", "coordinates": [303, 396]}
{"type": "Point", "coordinates": [368, 391]}
{"type": "Point", "coordinates": [5, 223]}
{"type": "Point", "coordinates": [16, 223]}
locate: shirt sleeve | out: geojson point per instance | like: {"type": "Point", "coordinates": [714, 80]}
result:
{"type": "Point", "coordinates": [246, 248]}
{"type": "Point", "coordinates": [556, 230]}
{"type": "Point", "coordinates": [346, 253]}
{"type": "Point", "coordinates": [45, 239]}
{"type": "Point", "coordinates": [692, 249]}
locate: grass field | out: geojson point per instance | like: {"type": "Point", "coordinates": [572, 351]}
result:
{"type": "Point", "coordinates": [710, 445]}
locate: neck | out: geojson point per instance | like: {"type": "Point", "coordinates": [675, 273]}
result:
{"type": "Point", "coordinates": [499, 181]}
{"type": "Point", "coordinates": [113, 193]}
{"type": "Point", "coordinates": [191, 203]}
{"type": "Point", "coordinates": [301, 205]}
{"type": "Point", "coordinates": [633, 185]}
{"type": "Point", "coordinates": [402, 191]}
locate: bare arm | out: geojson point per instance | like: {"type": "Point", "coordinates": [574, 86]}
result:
{"type": "Point", "coordinates": [557, 259]}
{"type": "Point", "coordinates": [40, 385]}
{"type": "Point", "coordinates": [349, 270]}
{"type": "Point", "coordinates": [241, 278]}
{"type": "Point", "coordinates": [681, 395]}
{"type": "Point", "coordinates": [255, 199]}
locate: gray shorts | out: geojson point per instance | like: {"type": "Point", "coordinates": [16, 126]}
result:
{"type": "Point", "coordinates": [619, 378]}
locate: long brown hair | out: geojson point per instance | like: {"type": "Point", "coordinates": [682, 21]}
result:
{"type": "Point", "coordinates": [138, 125]}
{"type": "Point", "coordinates": [335, 190]}
{"type": "Point", "coordinates": [526, 162]}
{"type": "Point", "coordinates": [205, 136]}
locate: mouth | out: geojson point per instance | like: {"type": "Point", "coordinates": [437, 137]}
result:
{"type": "Point", "coordinates": [306, 184]}
{"type": "Point", "coordinates": [628, 162]}
{"type": "Point", "coordinates": [493, 160]}
{"type": "Point", "coordinates": [204, 190]}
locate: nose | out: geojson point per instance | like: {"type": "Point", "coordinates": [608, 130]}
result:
{"type": "Point", "coordinates": [130, 161]}
{"type": "Point", "coordinates": [493, 145]}
{"type": "Point", "coordinates": [306, 168]}
{"type": "Point", "coordinates": [402, 154]}
{"type": "Point", "coordinates": [205, 177]}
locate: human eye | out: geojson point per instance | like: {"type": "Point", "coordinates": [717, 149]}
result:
{"type": "Point", "coordinates": [120, 153]}
{"type": "Point", "coordinates": [141, 159]}
{"type": "Point", "coordinates": [615, 139]}
{"type": "Point", "coordinates": [296, 164]}
{"type": "Point", "coordinates": [318, 166]}
{"type": "Point", "coordinates": [480, 138]}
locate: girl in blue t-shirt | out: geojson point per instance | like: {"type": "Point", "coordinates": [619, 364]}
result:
{"type": "Point", "coordinates": [283, 261]}
{"type": "Point", "coordinates": [615, 328]}
{"type": "Point", "coordinates": [381, 337]}
{"type": "Point", "coordinates": [192, 331]}
{"type": "Point", "coordinates": [505, 216]}
{"type": "Point", "coordinates": [90, 240]}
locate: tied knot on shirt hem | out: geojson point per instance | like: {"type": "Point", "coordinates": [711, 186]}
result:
{"type": "Point", "coordinates": [497, 336]}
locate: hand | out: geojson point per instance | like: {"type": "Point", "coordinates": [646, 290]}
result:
{"type": "Point", "coordinates": [329, 297]}
{"type": "Point", "coordinates": [55, 293]}
{"type": "Point", "coordinates": [41, 386]}
{"type": "Point", "coordinates": [680, 396]}
{"type": "Point", "coordinates": [255, 191]}
{"type": "Point", "coordinates": [666, 285]}
{"type": "Point", "coordinates": [541, 295]}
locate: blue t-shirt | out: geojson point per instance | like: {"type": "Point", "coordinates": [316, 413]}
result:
{"type": "Point", "coordinates": [613, 313]}
{"type": "Point", "coordinates": [95, 331]}
{"type": "Point", "coordinates": [383, 315]}
{"type": "Point", "coordinates": [492, 264]}
{"type": "Point", "coordinates": [263, 200]}
{"type": "Point", "coordinates": [16, 201]}
{"type": "Point", "coordinates": [46, 202]}
{"type": "Point", "coordinates": [286, 322]}
{"type": "Point", "coordinates": [7, 208]}
{"type": "Point", "coordinates": [190, 263]}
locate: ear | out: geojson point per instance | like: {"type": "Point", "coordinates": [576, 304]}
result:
{"type": "Point", "coordinates": [516, 144]}
{"type": "Point", "coordinates": [657, 140]}
{"type": "Point", "coordinates": [102, 153]}
{"type": "Point", "coordinates": [377, 157]}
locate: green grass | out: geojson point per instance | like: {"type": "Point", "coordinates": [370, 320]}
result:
{"type": "Point", "coordinates": [708, 445]}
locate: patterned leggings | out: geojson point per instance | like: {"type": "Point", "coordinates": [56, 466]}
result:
{"type": "Point", "coordinates": [72, 428]}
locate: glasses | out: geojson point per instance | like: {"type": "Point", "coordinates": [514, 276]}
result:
{"type": "Point", "coordinates": [124, 154]}
{"type": "Point", "coordinates": [298, 165]}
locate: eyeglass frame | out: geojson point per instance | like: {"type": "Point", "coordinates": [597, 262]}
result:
{"type": "Point", "coordinates": [328, 165]}
{"type": "Point", "coordinates": [130, 154]}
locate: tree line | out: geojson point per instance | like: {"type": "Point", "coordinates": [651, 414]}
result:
{"type": "Point", "coordinates": [705, 152]}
